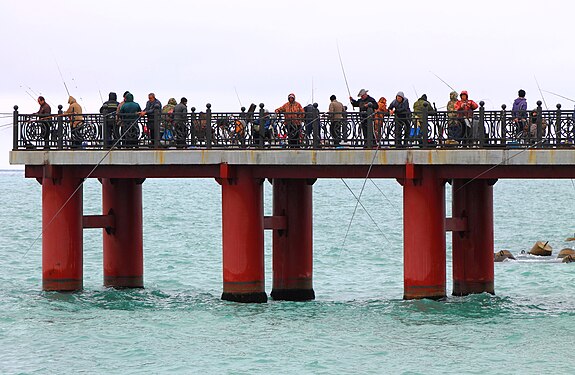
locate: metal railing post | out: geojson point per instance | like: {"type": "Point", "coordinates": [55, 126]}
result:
{"type": "Point", "coordinates": [208, 125]}
{"type": "Point", "coordinates": [424, 120]}
{"type": "Point", "coordinates": [61, 128]}
{"type": "Point", "coordinates": [503, 125]}
{"type": "Point", "coordinates": [15, 129]}
{"type": "Point", "coordinates": [315, 126]}
{"type": "Point", "coordinates": [192, 123]}
{"type": "Point", "coordinates": [539, 133]}
{"type": "Point", "coordinates": [558, 137]}
{"type": "Point", "coordinates": [156, 125]}
{"type": "Point", "coordinates": [261, 130]}
{"type": "Point", "coordinates": [481, 126]}
{"type": "Point", "coordinates": [369, 135]}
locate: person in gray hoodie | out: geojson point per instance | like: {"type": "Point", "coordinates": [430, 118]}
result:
{"type": "Point", "coordinates": [400, 108]}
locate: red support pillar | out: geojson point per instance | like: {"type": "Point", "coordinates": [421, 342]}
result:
{"type": "Point", "coordinates": [243, 237]}
{"type": "Point", "coordinates": [293, 246]}
{"type": "Point", "coordinates": [123, 244]}
{"type": "Point", "coordinates": [423, 234]}
{"type": "Point", "coordinates": [473, 248]}
{"type": "Point", "coordinates": [62, 242]}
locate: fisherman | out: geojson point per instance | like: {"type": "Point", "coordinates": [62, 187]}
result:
{"type": "Point", "coordinates": [109, 109]}
{"type": "Point", "coordinates": [519, 112]}
{"type": "Point", "coordinates": [418, 108]}
{"type": "Point", "coordinates": [363, 104]}
{"type": "Point", "coordinates": [129, 115]}
{"type": "Point", "coordinates": [335, 113]}
{"type": "Point", "coordinates": [400, 108]}
{"type": "Point", "coordinates": [74, 113]}
{"type": "Point", "coordinates": [267, 121]}
{"type": "Point", "coordinates": [454, 128]}
{"type": "Point", "coordinates": [380, 113]}
{"type": "Point", "coordinates": [465, 108]}
{"type": "Point", "coordinates": [167, 121]}
{"type": "Point", "coordinates": [181, 123]}
{"type": "Point", "coordinates": [293, 116]}
{"type": "Point", "coordinates": [45, 112]}
{"type": "Point", "coordinates": [530, 129]}
{"type": "Point", "coordinates": [152, 105]}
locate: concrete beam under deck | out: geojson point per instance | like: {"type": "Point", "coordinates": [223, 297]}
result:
{"type": "Point", "coordinates": [459, 163]}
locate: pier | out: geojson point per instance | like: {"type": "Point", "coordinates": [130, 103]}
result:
{"type": "Point", "coordinates": [241, 157]}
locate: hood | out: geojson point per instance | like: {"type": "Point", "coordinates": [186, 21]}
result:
{"type": "Point", "coordinates": [423, 97]}
{"type": "Point", "coordinates": [172, 101]}
{"type": "Point", "coordinates": [71, 100]}
{"type": "Point", "coordinates": [453, 95]}
{"type": "Point", "coordinates": [129, 97]}
{"type": "Point", "coordinates": [400, 93]}
{"type": "Point", "coordinates": [464, 93]}
{"type": "Point", "coordinates": [112, 96]}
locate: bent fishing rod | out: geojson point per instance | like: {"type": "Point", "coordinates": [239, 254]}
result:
{"type": "Point", "coordinates": [541, 93]}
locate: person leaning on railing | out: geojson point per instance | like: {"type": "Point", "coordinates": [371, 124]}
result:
{"type": "Point", "coordinates": [45, 112]}
{"type": "Point", "coordinates": [465, 108]}
{"type": "Point", "coordinates": [180, 123]}
{"type": "Point", "coordinates": [400, 108]}
{"type": "Point", "coordinates": [293, 116]}
{"type": "Point", "coordinates": [380, 113]}
{"type": "Point", "coordinates": [418, 108]}
{"type": "Point", "coordinates": [74, 112]}
{"type": "Point", "coordinates": [129, 114]}
{"type": "Point", "coordinates": [454, 127]}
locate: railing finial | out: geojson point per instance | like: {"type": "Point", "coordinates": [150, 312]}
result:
{"type": "Point", "coordinates": [262, 105]}
{"type": "Point", "coordinates": [482, 103]}
{"type": "Point", "coordinates": [208, 106]}
{"type": "Point", "coordinates": [503, 106]}
{"type": "Point", "coordinates": [558, 105]}
{"type": "Point", "coordinates": [15, 107]}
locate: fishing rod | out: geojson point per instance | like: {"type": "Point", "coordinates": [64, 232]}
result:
{"type": "Point", "coordinates": [101, 98]}
{"type": "Point", "coordinates": [81, 184]}
{"type": "Point", "coordinates": [342, 68]}
{"type": "Point", "coordinates": [30, 95]}
{"type": "Point", "coordinates": [540, 92]}
{"type": "Point", "coordinates": [415, 90]}
{"type": "Point", "coordinates": [447, 84]}
{"type": "Point", "coordinates": [385, 196]}
{"type": "Point", "coordinates": [61, 76]}
{"type": "Point", "coordinates": [238, 96]}
{"type": "Point", "coordinates": [561, 96]}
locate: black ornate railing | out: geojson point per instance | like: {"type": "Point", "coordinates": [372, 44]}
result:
{"type": "Point", "coordinates": [312, 129]}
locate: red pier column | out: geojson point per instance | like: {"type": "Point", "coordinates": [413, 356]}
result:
{"type": "Point", "coordinates": [473, 248]}
{"type": "Point", "coordinates": [243, 237]}
{"type": "Point", "coordinates": [62, 242]}
{"type": "Point", "coordinates": [123, 244]}
{"type": "Point", "coordinates": [423, 235]}
{"type": "Point", "coordinates": [293, 246]}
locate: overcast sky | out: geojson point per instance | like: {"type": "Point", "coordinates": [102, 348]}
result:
{"type": "Point", "coordinates": [208, 50]}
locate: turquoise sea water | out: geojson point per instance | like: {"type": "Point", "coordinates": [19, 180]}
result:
{"type": "Point", "coordinates": [358, 323]}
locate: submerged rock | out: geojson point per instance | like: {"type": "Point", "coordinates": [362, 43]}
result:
{"type": "Point", "coordinates": [565, 252]}
{"type": "Point", "coordinates": [500, 256]}
{"type": "Point", "coordinates": [568, 259]}
{"type": "Point", "coordinates": [541, 248]}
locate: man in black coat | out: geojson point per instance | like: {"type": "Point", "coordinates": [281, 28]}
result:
{"type": "Point", "coordinates": [109, 109]}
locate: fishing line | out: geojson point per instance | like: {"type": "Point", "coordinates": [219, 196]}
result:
{"type": "Point", "coordinates": [561, 96]}
{"type": "Point", "coordinates": [360, 194]}
{"type": "Point", "coordinates": [81, 185]}
{"type": "Point", "coordinates": [385, 196]}
{"type": "Point", "coordinates": [498, 164]}
{"type": "Point", "coordinates": [365, 209]}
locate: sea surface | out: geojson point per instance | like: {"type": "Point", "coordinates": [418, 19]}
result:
{"type": "Point", "coordinates": [358, 323]}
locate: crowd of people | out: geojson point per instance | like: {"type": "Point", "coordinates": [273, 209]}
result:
{"type": "Point", "coordinates": [118, 118]}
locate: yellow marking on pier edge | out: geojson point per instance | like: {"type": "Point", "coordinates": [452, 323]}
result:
{"type": "Point", "coordinates": [160, 156]}
{"type": "Point", "coordinates": [532, 157]}
{"type": "Point", "coordinates": [314, 157]}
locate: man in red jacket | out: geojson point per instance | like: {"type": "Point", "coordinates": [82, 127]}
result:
{"type": "Point", "coordinates": [465, 108]}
